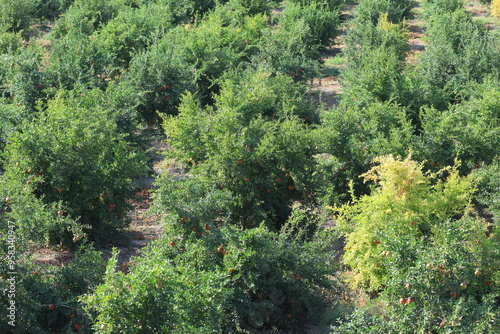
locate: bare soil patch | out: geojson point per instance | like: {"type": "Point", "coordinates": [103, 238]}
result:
{"type": "Point", "coordinates": [416, 31]}
{"type": "Point", "coordinates": [143, 228]}
{"type": "Point", "coordinates": [52, 257]}
{"type": "Point", "coordinates": [325, 92]}
{"type": "Point", "coordinates": [326, 89]}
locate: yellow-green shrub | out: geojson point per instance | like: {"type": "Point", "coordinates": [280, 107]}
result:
{"type": "Point", "coordinates": [402, 211]}
{"type": "Point", "coordinates": [495, 8]}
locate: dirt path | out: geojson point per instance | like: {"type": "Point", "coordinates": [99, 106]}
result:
{"type": "Point", "coordinates": [326, 89]}
{"type": "Point", "coordinates": [416, 30]}
{"type": "Point", "coordinates": [143, 228]}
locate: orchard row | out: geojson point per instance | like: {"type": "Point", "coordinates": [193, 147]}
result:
{"type": "Point", "coordinates": [244, 247]}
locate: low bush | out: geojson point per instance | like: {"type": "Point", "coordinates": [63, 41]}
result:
{"type": "Point", "coordinates": [378, 226]}
{"type": "Point", "coordinates": [157, 78]}
{"type": "Point", "coordinates": [46, 297]}
{"type": "Point", "coordinates": [175, 10]}
{"type": "Point", "coordinates": [193, 58]}
{"type": "Point", "coordinates": [285, 52]}
{"type": "Point", "coordinates": [368, 11]}
{"type": "Point", "coordinates": [321, 21]}
{"type": "Point", "coordinates": [10, 119]}
{"type": "Point", "coordinates": [468, 131]}
{"type": "Point", "coordinates": [223, 40]}
{"type": "Point", "coordinates": [350, 137]}
{"type": "Point", "coordinates": [495, 8]}
{"type": "Point", "coordinates": [10, 42]}
{"type": "Point", "coordinates": [23, 80]}
{"type": "Point", "coordinates": [461, 53]}
{"type": "Point", "coordinates": [430, 262]}
{"type": "Point", "coordinates": [376, 54]}
{"type": "Point", "coordinates": [86, 16]}
{"type": "Point", "coordinates": [330, 4]}
{"type": "Point", "coordinates": [131, 31]}
{"type": "Point", "coordinates": [252, 7]}
{"type": "Point", "coordinates": [72, 156]}
{"type": "Point", "coordinates": [76, 59]}
{"type": "Point", "coordinates": [16, 15]}
{"type": "Point", "coordinates": [386, 35]}
{"type": "Point", "coordinates": [35, 220]}
{"type": "Point", "coordinates": [451, 284]}
{"type": "Point", "coordinates": [51, 9]}
{"type": "Point", "coordinates": [191, 205]}
{"type": "Point", "coordinates": [436, 7]}
{"type": "Point", "coordinates": [203, 6]}
{"type": "Point", "coordinates": [464, 315]}
{"type": "Point", "coordinates": [228, 281]}
{"type": "Point", "coordinates": [376, 73]}
{"type": "Point", "coordinates": [489, 189]}
{"type": "Point", "coordinates": [253, 143]}
{"type": "Point", "coordinates": [454, 280]}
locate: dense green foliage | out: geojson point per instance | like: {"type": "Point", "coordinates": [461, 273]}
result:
{"type": "Point", "coordinates": [47, 297]}
{"type": "Point", "coordinates": [61, 157]}
{"type": "Point", "coordinates": [461, 53]}
{"type": "Point", "coordinates": [229, 280]}
{"type": "Point", "coordinates": [377, 215]}
{"type": "Point", "coordinates": [17, 15]}
{"type": "Point", "coordinates": [251, 143]}
{"type": "Point", "coordinates": [369, 11]}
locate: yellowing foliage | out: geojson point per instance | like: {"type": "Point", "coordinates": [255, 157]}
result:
{"type": "Point", "coordinates": [397, 29]}
{"type": "Point", "coordinates": [402, 211]}
{"type": "Point", "coordinates": [495, 8]}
